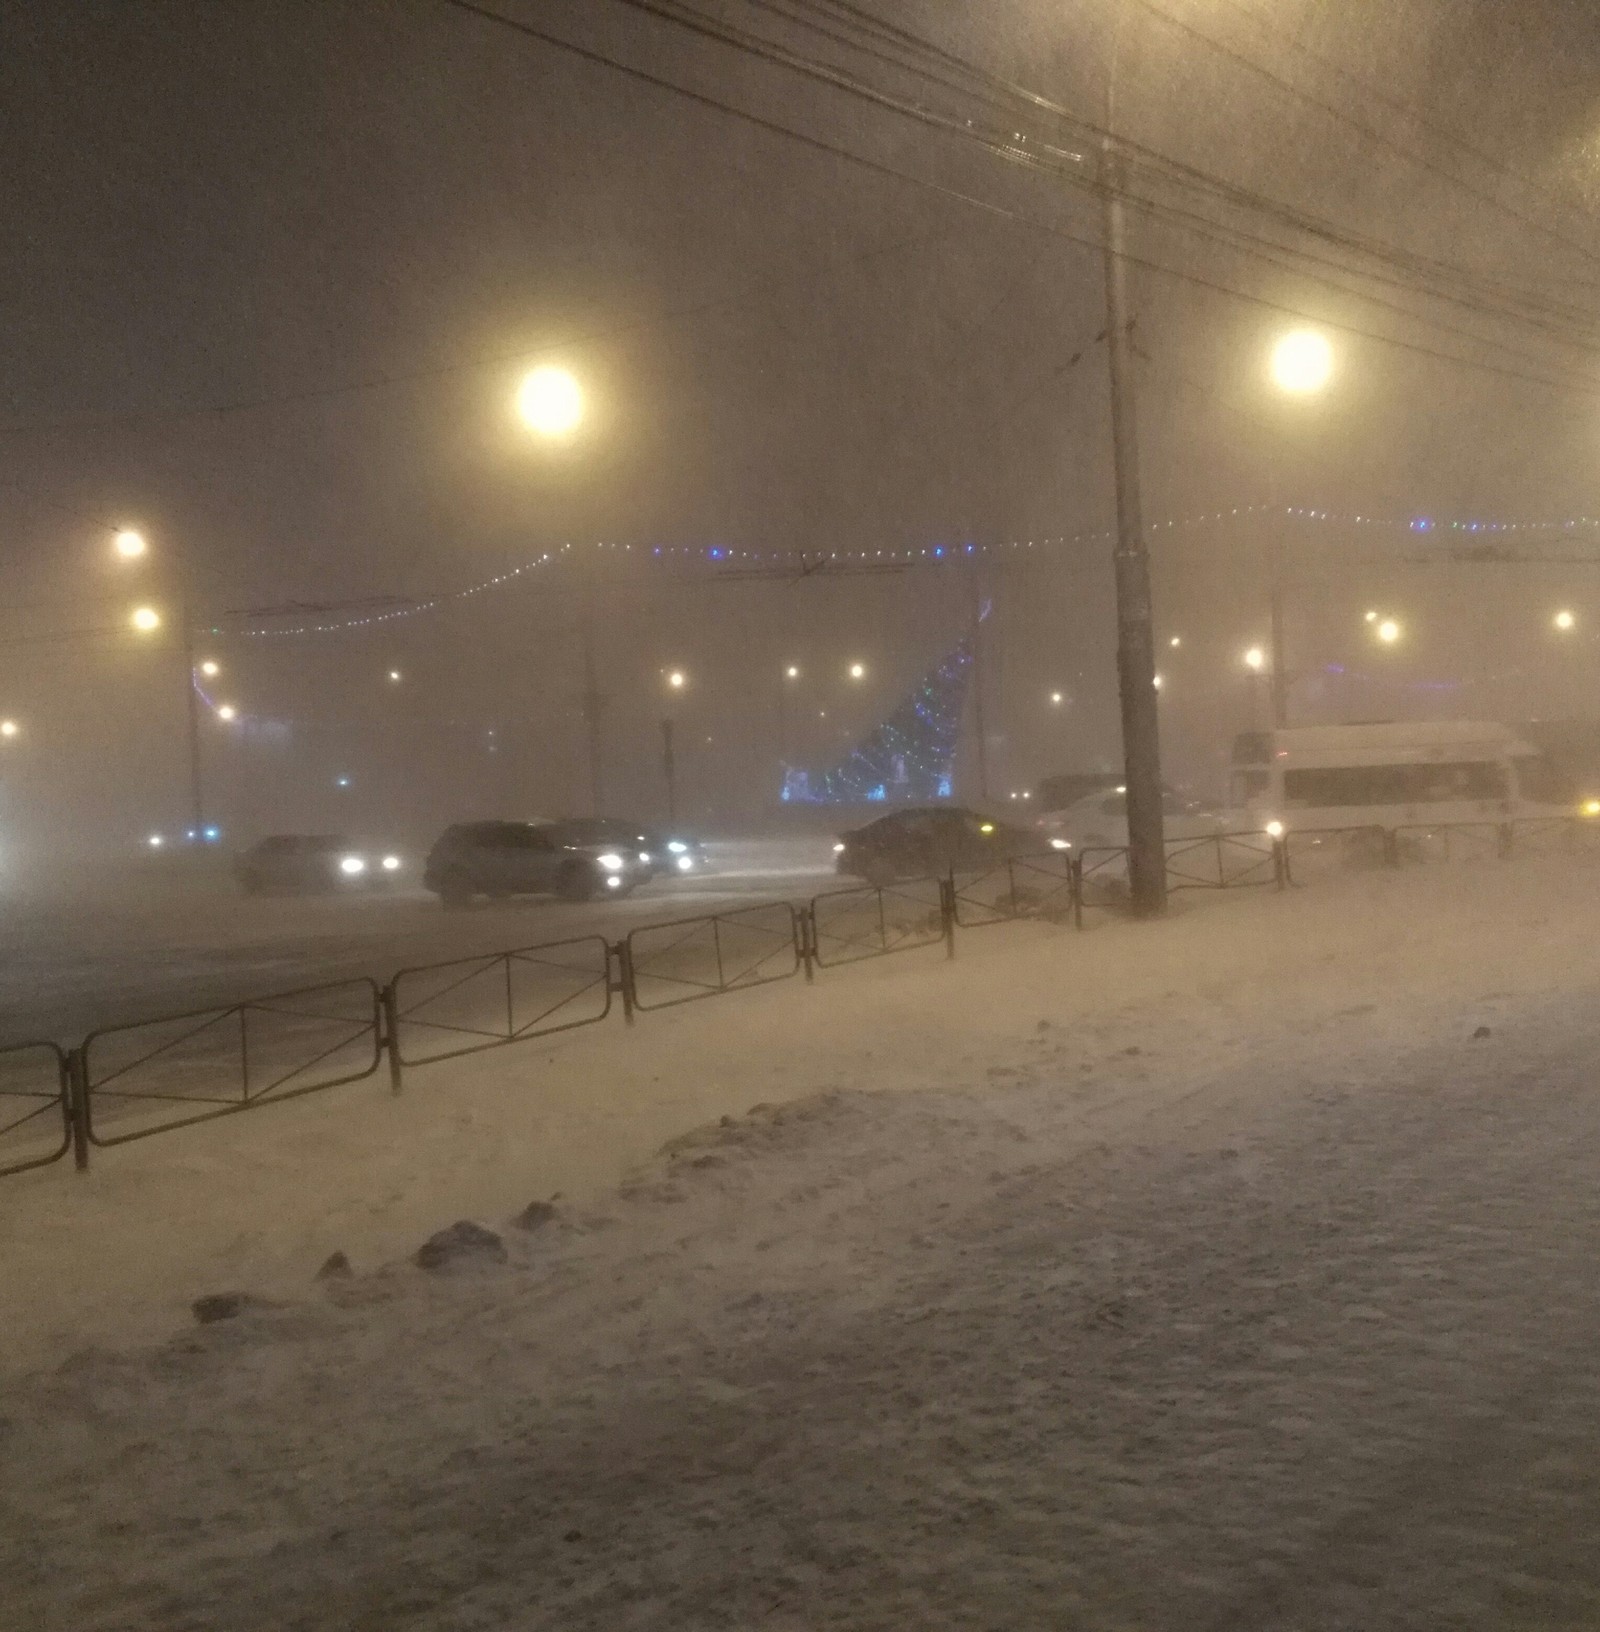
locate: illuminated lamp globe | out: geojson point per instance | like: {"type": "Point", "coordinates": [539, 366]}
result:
{"type": "Point", "coordinates": [1302, 362]}
{"type": "Point", "coordinates": [550, 402]}
{"type": "Point", "coordinates": [145, 619]}
{"type": "Point", "coordinates": [130, 545]}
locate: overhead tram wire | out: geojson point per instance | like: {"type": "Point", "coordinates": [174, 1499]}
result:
{"type": "Point", "coordinates": [990, 207]}
{"type": "Point", "coordinates": [1014, 99]}
{"type": "Point", "coordinates": [1423, 268]}
{"type": "Point", "coordinates": [1343, 116]}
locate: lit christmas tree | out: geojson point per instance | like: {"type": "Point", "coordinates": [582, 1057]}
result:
{"type": "Point", "coordinates": [909, 758]}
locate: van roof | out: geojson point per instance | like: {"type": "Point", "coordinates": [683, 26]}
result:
{"type": "Point", "coordinates": [1400, 735]}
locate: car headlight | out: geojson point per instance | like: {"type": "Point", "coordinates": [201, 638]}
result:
{"type": "Point", "coordinates": [685, 864]}
{"type": "Point", "coordinates": [391, 864]}
{"type": "Point", "coordinates": [644, 858]}
{"type": "Point", "coordinates": [1061, 844]}
{"type": "Point", "coordinates": [676, 846]}
{"type": "Point", "coordinates": [611, 861]}
{"type": "Point", "coordinates": [351, 865]}
{"type": "Point", "coordinates": [838, 849]}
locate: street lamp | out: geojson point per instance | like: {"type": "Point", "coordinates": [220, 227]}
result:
{"type": "Point", "coordinates": [1388, 631]}
{"type": "Point", "coordinates": [211, 668]}
{"type": "Point", "coordinates": [550, 401]}
{"type": "Point", "coordinates": [1057, 699]}
{"type": "Point", "coordinates": [676, 679]}
{"type": "Point", "coordinates": [792, 672]}
{"type": "Point", "coordinates": [394, 676]}
{"type": "Point", "coordinates": [130, 545]}
{"type": "Point", "coordinates": [227, 712]}
{"type": "Point", "coordinates": [145, 619]}
{"type": "Point", "coordinates": [858, 671]}
{"type": "Point", "coordinates": [1175, 642]}
{"type": "Point", "coordinates": [1255, 659]}
{"type": "Point", "coordinates": [1302, 362]}
{"type": "Point", "coordinates": [9, 728]}
{"type": "Point", "coordinates": [1563, 620]}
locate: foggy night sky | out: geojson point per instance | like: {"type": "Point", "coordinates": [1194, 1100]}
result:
{"type": "Point", "coordinates": [207, 205]}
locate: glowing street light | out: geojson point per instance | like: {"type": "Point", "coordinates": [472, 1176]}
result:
{"type": "Point", "coordinates": [1563, 620]}
{"type": "Point", "coordinates": [1302, 362]}
{"type": "Point", "coordinates": [792, 672]}
{"type": "Point", "coordinates": [394, 676]}
{"type": "Point", "coordinates": [1370, 616]}
{"type": "Point", "coordinates": [145, 619]}
{"type": "Point", "coordinates": [677, 679]}
{"type": "Point", "coordinates": [129, 544]}
{"type": "Point", "coordinates": [858, 671]}
{"type": "Point", "coordinates": [211, 668]}
{"type": "Point", "coordinates": [9, 728]}
{"type": "Point", "coordinates": [1388, 631]}
{"type": "Point", "coordinates": [1255, 659]}
{"type": "Point", "coordinates": [1156, 682]}
{"type": "Point", "coordinates": [550, 401]}
{"type": "Point", "coordinates": [1175, 642]}
{"type": "Point", "coordinates": [1057, 699]}
{"type": "Point", "coordinates": [226, 712]}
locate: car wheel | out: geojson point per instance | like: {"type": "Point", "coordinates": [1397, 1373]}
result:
{"type": "Point", "coordinates": [575, 883]}
{"type": "Point", "coordinates": [455, 891]}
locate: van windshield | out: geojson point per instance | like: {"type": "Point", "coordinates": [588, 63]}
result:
{"type": "Point", "coordinates": [1315, 787]}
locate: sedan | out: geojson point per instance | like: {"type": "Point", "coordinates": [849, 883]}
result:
{"type": "Point", "coordinates": [312, 863]}
{"type": "Point", "coordinates": [923, 842]}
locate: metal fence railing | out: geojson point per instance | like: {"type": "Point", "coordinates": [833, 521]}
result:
{"type": "Point", "coordinates": [160, 1074]}
{"type": "Point", "coordinates": [35, 1110]}
{"type": "Point", "coordinates": [690, 958]}
{"type": "Point", "coordinates": [438, 1011]}
{"type": "Point", "coordinates": [1037, 886]}
{"type": "Point", "coordinates": [873, 920]}
{"type": "Point", "coordinates": [131, 1081]}
{"type": "Point", "coordinates": [1224, 861]}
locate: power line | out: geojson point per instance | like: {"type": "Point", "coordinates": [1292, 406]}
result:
{"type": "Point", "coordinates": [990, 207]}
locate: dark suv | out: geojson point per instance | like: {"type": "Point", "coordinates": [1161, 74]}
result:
{"type": "Point", "coordinates": [498, 859]}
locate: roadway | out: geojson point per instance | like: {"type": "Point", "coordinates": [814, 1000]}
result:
{"type": "Point", "coordinates": [131, 951]}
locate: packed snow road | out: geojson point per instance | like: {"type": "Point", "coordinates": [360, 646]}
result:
{"type": "Point", "coordinates": [1233, 1272]}
{"type": "Point", "coordinates": [135, 950]}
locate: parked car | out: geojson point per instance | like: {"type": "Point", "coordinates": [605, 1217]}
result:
{"type": "Point", "coordinates": [924, 841]}
{"type": "Point", "coordinates": [1100, 820]}
{"type": "Point", "coordinates": [500, 859]}
{"type": "Point", "coordinates": [307, 863]}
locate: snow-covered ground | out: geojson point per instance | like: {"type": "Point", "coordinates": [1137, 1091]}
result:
{"type": "Point", "coordinates": [1216, 1273]}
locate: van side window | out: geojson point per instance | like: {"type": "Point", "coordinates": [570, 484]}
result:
{"type": "Point", "coordinates": [1410, 784]}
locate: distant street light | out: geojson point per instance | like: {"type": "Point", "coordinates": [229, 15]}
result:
{"type": "Point", "coordinates": [394, 676]}
{"type": "Point", "coordinates": [1175, 642]}
{"type": "Point", "coordinates": [211, 668]}
{"type": "Point", "coordinates": [1057, 698]}
{"type": "Point", "coordinates": [793, 671]}
{"type": "Point", "coordinates": [129, 544]}
{"type": "Point", "coordinates": [1156, 682]}
{"type": "Point", "coordinates": [1564, 620]}
{"type": "Point", "coordinates": [145, 619]}
{"type": "Point", "coordinates": [1255, 659]}
{"type": "Point", "coordinates": [550, 401]}
{"type": "Point", "coordinates": [227, 711]}
{"type": "Point", "coordinates": [1371, 617]}
{"type": "Point", "coordinates": [1388, 631]}
{"type": "Point", "coordinates": [858, 671]}
{"type": "Point", "coordinates": [677, 679]}
{"type": "Point", "coordinates": [1302, 362]}
{"type": "Point", "coordinates": [9, 728]}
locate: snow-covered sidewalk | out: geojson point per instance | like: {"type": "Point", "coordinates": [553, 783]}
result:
{"type": "Point", "coordinates": [1212, 1274]}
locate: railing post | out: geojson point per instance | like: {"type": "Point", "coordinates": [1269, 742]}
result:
{"type": "Point", "coordinates": [77, 1090]}
{"type": "Point", "coordinates": [947, 912]}
{"type": "Point", "coordinates": [623, 953]}
{"type": "Point", "coordinates": [1075, 888]}
{"type": "Point", "coordinates": [1280, 863]}
{"type": "Point", "coordinates": [390, 1004]}
{"type": "Point", "coordinates": [807, 930]}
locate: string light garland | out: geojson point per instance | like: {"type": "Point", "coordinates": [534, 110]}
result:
{"type": "Point", "coordinates": [715, 555]}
